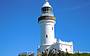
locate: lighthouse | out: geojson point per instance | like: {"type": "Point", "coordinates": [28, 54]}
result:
{"type": "Point", "coordinates": [47, 22]}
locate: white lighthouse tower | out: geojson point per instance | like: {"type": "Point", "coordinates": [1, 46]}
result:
{"type": "Point", "coordinates": [47, 22]}
{"type": "Point", "coordinates": [48, 40]}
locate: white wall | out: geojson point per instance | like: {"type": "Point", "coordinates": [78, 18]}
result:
{"type": "Point", "coordinates": [46, 29]}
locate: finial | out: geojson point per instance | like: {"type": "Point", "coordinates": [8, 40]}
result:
{"type": "Point", "coordinates": [46, 0]}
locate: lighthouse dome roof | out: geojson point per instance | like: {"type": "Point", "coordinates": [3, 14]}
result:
{"type": "Point", "coordinates": [46, 4]}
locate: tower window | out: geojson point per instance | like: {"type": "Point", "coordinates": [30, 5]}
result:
{"type": "Point", "coordinates": [52, 28]}
{"type": "Point", "coordinates": [46, 35]}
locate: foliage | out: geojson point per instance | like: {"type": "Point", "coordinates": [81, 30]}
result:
{"type": "Point", "coordinates": [26, 54]}
{"type": "Point", "coordinates": [55, 52]}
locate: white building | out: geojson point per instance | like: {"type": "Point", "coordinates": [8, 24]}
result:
{"type": "Point", "coordinates": [48, 40]}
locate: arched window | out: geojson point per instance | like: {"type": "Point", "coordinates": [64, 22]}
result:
{"type": "Point", "coordinates": [52, 28]}
{"type": "Point", "coordinates": [46, 36]}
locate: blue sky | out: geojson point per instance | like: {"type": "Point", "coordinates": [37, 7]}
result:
{"type": "Point", "coordinates": [20, 31]}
